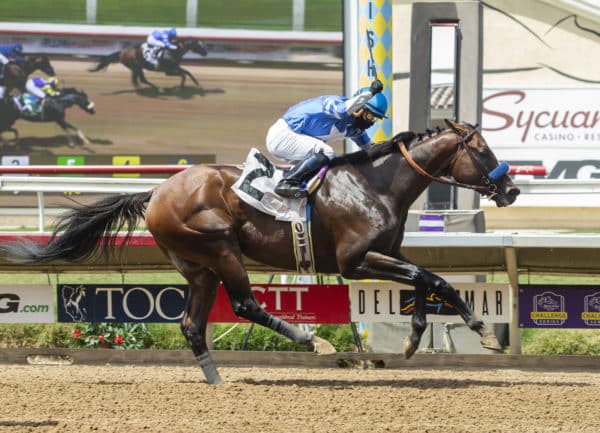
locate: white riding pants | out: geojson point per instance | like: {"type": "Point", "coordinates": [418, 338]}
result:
{"type": "Point", "coordinates": [33, 89]}
{"type": "Point", "coordinates": [289, 146]}
{"type": "Point", "coordinates": [3, 59]}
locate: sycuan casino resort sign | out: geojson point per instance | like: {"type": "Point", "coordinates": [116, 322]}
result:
{"type": "Point", "coordinates": [542, 117]}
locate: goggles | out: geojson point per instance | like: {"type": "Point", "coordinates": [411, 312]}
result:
{"type": "Point", "coordinates": [370, 116]}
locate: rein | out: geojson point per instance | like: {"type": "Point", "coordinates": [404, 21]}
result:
{"type": "Point", "coordinates": [488, 188]}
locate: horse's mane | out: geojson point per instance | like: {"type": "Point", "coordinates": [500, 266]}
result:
{"type": "Point", "coordinates": [375, 151]}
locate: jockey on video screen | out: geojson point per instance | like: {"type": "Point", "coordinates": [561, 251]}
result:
{"type": "Point", "coordinates": [10, 53]}
{"type": "Point", "coordinates": [157, 42]}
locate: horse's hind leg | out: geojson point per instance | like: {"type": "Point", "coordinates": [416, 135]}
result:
{"type": "Point", "coordinates": [203, 285]}
{"type": "Point", "coordinates": [244, 305]}
{"type": "Point", "coordinates": [143, 79]}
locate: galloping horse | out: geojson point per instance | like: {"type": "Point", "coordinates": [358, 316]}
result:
{"type": "Point", "coordinates": [359, 213]}
{"type": "Point", "coordinates": [133, 58]}
{"type": "Point", "coordinates": [16, 73]}
{"type": "Point", "coordinates": [52, 110]}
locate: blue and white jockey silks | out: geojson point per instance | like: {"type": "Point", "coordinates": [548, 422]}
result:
{"type": "Point", "coordinates": [156, 42]}
{"type": "Point", "coordinates": [11, 52]}
{"type": "Point", "coordinates": [307, 127]}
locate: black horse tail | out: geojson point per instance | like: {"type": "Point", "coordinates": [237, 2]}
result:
{"type": "Point", "coordinates": [84, 231]}
{"type": "Point", "coordinates": [104, 61]}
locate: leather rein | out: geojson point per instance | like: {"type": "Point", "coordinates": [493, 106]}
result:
{"type": "Point", "coordinates": [488, 187]}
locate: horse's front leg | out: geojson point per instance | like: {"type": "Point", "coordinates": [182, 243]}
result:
{"type": "Point", "coordinates": [66, 126]}
{"type": "Point", "coordinates": [379, 266]}
{"type": "Point", "coordinates": [185, 73]}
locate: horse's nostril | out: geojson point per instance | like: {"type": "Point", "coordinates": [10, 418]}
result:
{"type": "Point", "coordinates": [514, 191]}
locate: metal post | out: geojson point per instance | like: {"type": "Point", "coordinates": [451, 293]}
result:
{"type": "Point", "coordinates": [191, 13]}
{"type": "Point", "coordinates": [91, 11]}
{"type": "Point", "coordinates": [41, 212]}
{"type": "Point", "coordinates": [513, 278]}
{"type": "Point", "coordinates": [298, 15]}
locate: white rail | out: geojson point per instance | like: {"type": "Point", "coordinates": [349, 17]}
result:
{"type": "Point", "coordinates": [534, 192]}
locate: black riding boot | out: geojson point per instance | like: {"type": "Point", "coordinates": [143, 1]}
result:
{"type": "Point", "coordinates": [292, 183]}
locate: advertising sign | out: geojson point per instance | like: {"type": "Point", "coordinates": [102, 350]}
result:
{"type": "Point", "coordinates": [26, 304]}
{"type": "Point", "coordinates": [555, 127]}
{"type": "Point", "coordinates": [543, 306]}
{"type": "Point", "coordinates": [295, 303]}
{"type": "Point", "coordinates": [394, 302]}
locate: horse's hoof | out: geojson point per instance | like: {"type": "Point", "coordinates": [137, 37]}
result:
{"type": "Point", "coordinates": [216, 381]}
{"type": "Point", "coordinates": [323, 347]}
{"type": "Point", "coordinates": [409, 348]}
{"type": "Point", "coordinates": [491, 342]}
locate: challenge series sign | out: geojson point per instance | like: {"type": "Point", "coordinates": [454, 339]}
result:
{"type": "Point", "coordinates": [295, 303]}
{"type": "Point", "coordinates": [543, 306]}
{"type": "Point", "coordinates": [394, 302]}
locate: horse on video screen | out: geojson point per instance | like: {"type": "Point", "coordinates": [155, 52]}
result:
{"type": "Point", "coordinates": [133, 58]}
{"type": "Point", "coordinates": [52, 109]}
{"type": "Point", "coordinates": [358, 218]}
{"type": "Point", "coordinates": [16, 73]}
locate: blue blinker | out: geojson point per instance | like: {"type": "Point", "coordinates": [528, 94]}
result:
{"type": "Point", "coordinates": [499, 172]}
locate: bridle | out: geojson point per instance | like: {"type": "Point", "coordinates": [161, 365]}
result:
{"type": "Point", "coordinates": [488, 187]}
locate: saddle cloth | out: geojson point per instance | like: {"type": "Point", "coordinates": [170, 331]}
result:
{"type": "Point", "coordinates": [29, 105]}
{"type": "Point", "coordinates": [151, 54]}
{"type": "Point", "coordinates": [256, 187]}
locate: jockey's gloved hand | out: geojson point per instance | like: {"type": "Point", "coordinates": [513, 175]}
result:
{"type": "Point", "coordinates": [376, 87]}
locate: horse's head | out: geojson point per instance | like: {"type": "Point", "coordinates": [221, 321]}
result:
{"type": "Point", "coordinates": [78, 97]}
{"type": "Point", "coordinates": [476, 165]}
{"type": "Point", "coordinates": [41, 62]}
{"type": "Point", "coordinates": [195, 47]}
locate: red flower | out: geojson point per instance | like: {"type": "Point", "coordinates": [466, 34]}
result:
{"type": "Point", "coordinates": [76, 333]}
{"type": "Point", "coordinates": [101, 338]}
{"type": "Point", "coordinates": [118, 340]}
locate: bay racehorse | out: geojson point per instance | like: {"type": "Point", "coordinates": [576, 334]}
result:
{"type": "Point", "coordinates": [53, 109]}
{"type": "Point", "coordinates": [358, 218]}
{"type": "Point", "coordinates": [16, 73]}
{"type": "Point", "coordinates": [133, 58]}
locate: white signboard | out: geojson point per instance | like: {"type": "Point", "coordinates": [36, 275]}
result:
{"type": "Point", "coordinates": [555, 127]}
{"type": "Point", "coordinates": [394, 302]}
{"type": "Point", "coordinates": [26, 304]}
{"type": "Point", "coordinates": [16, 160]}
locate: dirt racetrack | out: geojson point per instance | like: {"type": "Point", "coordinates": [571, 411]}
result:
{"type": "Point", "coordinates": [176, 399]}
{"type": "Point", "coordinates": [230, 112]}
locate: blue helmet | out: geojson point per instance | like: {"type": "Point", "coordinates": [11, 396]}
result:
{"type": "Point", "coordinates": [377, 105]}
{"type": "Point", "coordinates": [18, 48]}
{"type": "Point", "coordinates": [172, 33]}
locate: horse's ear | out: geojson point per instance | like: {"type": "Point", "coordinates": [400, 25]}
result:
{"type": "Point", "coordinates": [456, 127]}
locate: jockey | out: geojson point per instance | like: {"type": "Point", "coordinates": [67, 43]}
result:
{"type": "Point", "coordinates": [41, 88]}
{"type": "Point", "coordinates": [300, 136]}
{"type": "Point", "coordinates": [159, 40]}
{"type": "Point", "coordinates": [10, 53]}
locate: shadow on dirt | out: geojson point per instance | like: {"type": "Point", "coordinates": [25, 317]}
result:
{"type": "Point", "coordinates": [28, 145]}
{"type": "Point", "coordinates": [166, 92]}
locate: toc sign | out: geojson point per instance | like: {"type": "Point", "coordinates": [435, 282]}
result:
{"type": "Point", "coordinates": [295, 303]}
